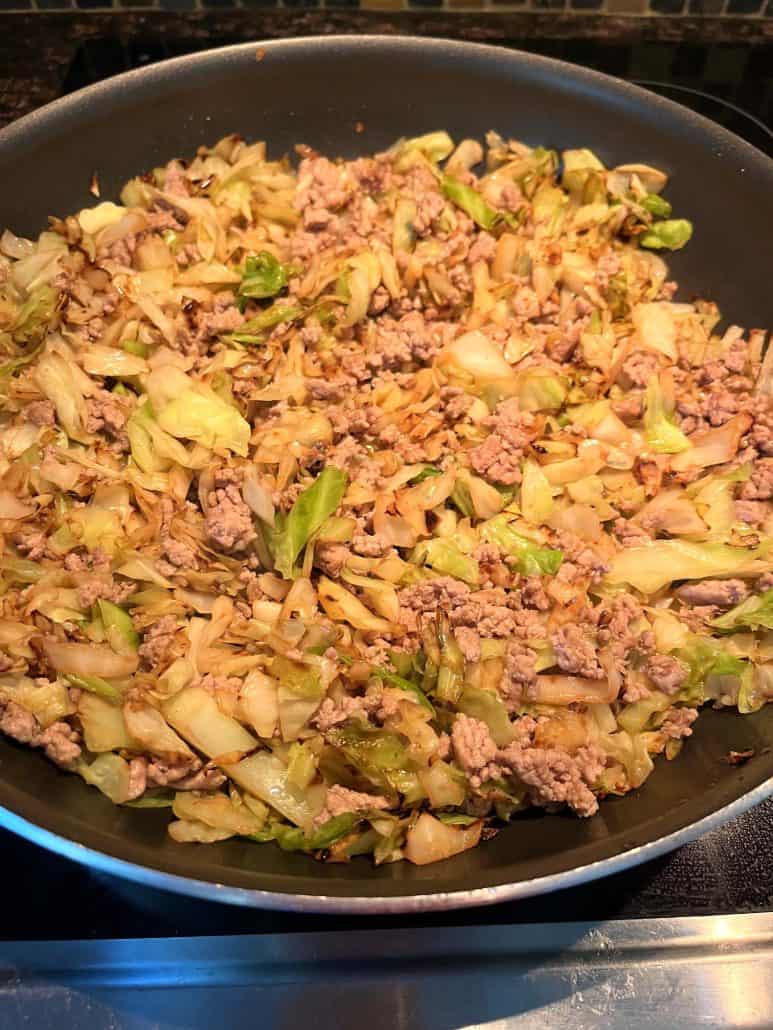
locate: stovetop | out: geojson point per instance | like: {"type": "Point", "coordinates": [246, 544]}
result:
{"type": "Point", "coordinates": [727, 871]}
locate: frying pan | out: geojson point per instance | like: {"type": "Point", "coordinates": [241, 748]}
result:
{"type": "Point", "coordinates": [351, 95]}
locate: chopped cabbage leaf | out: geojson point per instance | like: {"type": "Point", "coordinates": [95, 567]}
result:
{"type": "Point", "coordinates": [651, 567]}
{"type": "Point", "coordinates": [470, 201]}
{"type": "Point", "coordinates": [199, 414]}
{"type": "Point", "coordinates": [754, 613]}
{"type": "Point", "coordinates": [263, 277]}
{"type": "Point", "coordinates": [663, 435]}
{"type": "Point", "coordinates": [316, 504]}
{"type": "Point", "coordinates": [435, 146]}
{"type": "Point", "coordinates": [34, 317]}
{"type": "Point", "coordinates": [444, 556]}
{"type": "Point", "coordinates": [293, 838]}
{"type": "Point", "coordinates": [706, 658]}
{"type": "Point", "coordinates": [533, 560]}
{"type": "Point", "coordinates": [671, 234]}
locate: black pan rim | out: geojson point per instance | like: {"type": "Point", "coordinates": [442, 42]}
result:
{"type": "Point", "coordinates": [438, 901]}
{"type": "Point", "coordinates": [66, 110]}
{"type": "Point", "coordinates": [166, 69]}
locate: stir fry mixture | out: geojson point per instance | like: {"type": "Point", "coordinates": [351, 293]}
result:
{"type": "Point", "coordinates": [361, 506]}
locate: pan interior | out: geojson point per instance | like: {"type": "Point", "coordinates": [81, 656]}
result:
{"type": "Point", "coordinates": [316, 92]}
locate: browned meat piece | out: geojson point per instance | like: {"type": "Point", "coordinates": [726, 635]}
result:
{"type": "Point", "coordinates": [220, 684]}
{"type": "Point", "coordinates": [469, 643]}
{"type": "Point", "coordinates": [18, 723]}
{"type": "Point", "coordinates": [722, 592]}
{"type": "Point", "coordinates": [179, 554]}
{"type": "Point", "coordinates": [353, 420]}
{"type": "Point", "coordinates": [576, 652]}
{"type": "Point", "coordinates": [678, 723]}
{"type": "Point", "coordinates": [533, 594]}
{"type": "Point", "coordinates": [412, 339]}
{"type": "Point", "coordinates": [649, 472]}
{"type": "Point", "coordinates": [197, 326]}
{"type": "Point", "coordinates": [59, 740]}
{"type": "Point", "coordinates": [580, 560]}
{"type": "Point", "coordinates": [108, 412]}
{"type": "Point", "coordinates": [761, 432]}
{"type": "Point", "coordinates": [556, 777]}
{"type": "Point", "coordinates": [175, 180]}
{"type": "Point", "coordinates": [487, 618]}
{"type": "Point", "coordinates": [444, 593]}
{"type": "Point", "coordinates": [759, 487]}
{"type": "Point", "coordinates": [188, 774]}
{"type": "Point", "coordinates": [340, 801]}
{"type": "Point", "coordinates": [322, 390]}
{"type": "Point", "coordinates": [455, 403]}
{"type": "Point", "coordinates": [321, 190]}
{"type": "Point", "coordinates": [93, 586]}
{"type": "Point", "coordinates": [629, 408]}
{"type": "Point", "coordinates": [228, 519]}
{"type": "Point", "coordinates": [429, 207]}
{"type": "Point", "coordinates": [483, 249]}
{"type": "Point", "coordinates": [520, 675]}
{"type": "Point", "coordinates": [158, 642]}
{"type": "Point", "coordinates": [616, 621]}
{"type": "Point", "coordinates": [500, 455]}
{"type": "Point", "coordinates": [474, 749]}
{"type": "Point", "coordinates": [332, 713]}
{"type": "Point", "coordinates": [666, 672]}
{"type": "Point", "coordinates": [630, 534]}
{"type": "Point", "coordinates": [41, 413]}
{"type": "Point", "coordinates": [331, 558]}
{"type": "Point", "coordinates": [639, 368]}
{"type": "Point", "coordinates": [752, 512]}
{"type": "Point", "coordinates": [224, 318]}
{"type": "Point", "coordinates": [32, 542]}
{"type": "Point", "coordinates": [494, 571]}
{"type": "Point", "coordinates": [369, 545]}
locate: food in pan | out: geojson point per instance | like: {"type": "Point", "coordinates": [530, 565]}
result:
{"type": "Point", "coordinates": [360, 507]}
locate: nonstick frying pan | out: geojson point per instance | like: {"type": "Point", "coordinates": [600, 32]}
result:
{"type": "Point", "coordinates": [350, 95]}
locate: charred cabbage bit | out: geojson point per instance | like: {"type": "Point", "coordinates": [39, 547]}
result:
{"type": "Point", "coordinates": [361, 506]}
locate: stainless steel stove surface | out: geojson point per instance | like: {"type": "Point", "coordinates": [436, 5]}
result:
{"type": "Point", "coordinates": [685, 940]}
